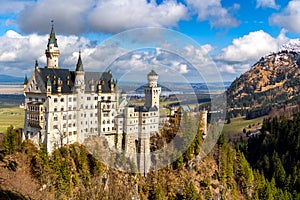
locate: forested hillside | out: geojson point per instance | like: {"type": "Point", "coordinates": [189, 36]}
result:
{"type": "Point", "coordinates": [72, 172]}
{"type": "Point", "coordinates": [270, 84]}
{"type": "Point", "coordinates": [276, 152]}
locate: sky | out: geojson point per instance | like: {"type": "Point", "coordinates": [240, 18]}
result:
{"type": "Point", "coordinates": [180, 38]}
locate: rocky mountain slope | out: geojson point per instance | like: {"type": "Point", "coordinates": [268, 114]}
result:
{"type": "Point", "coordinates": [272, 82]}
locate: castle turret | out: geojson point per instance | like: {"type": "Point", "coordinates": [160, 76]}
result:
{"type": "Point", "coordinates": [152, 92]}
{"type": "Point", "coordinates": [52, 51]}
{"type": "Point", "coordinates": [25, 83]}
{"type": "Point", "coordinates": [79, 79]}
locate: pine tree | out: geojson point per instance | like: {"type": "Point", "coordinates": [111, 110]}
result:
{"type": "Point", "coordinates": [9, 142]}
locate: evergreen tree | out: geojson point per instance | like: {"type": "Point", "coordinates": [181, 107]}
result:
{"type": "Point", "coordinates": [10, 140]}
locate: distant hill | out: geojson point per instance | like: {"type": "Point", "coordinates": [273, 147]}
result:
{"type": "Point", "coordinates": [10, 79]}
{"type": "Point", "coordinates": [273, 83]}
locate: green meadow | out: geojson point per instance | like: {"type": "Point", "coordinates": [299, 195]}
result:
{"type": "Point", "coordinates": [11, 116]}
{"type": "Point", "coordinates": [235, 129]}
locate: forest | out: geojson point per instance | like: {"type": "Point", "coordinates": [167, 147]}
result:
{"type": "Point", "coordinates": [264, 167]}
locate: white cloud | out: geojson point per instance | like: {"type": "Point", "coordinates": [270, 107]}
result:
{"type": "Point", "coordinates": [13, 6]}
{"type": "Point", "coordinates": [249, 47]}
{"type": "Point", "coordinates": [19, 52]}
{"type": "Point", "coordinates": [67, 14]}
{"type": "Point", "coordinates": [118, 15]}
{"type": "Point", "coordinates": [213, 11]}
{"type": "Point", "coordinates": [289, 18]}
{"type": "Point", "coordinates": [266, 4]}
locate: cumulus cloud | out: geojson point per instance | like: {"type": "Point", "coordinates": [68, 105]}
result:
{"type": "Point", "coordinates": [249, 47]}
{"type": "Point", "coordinates": [13, 6]}
{"type": "Point", "coordinates": [68, 17]}
{"type": "Point", "coordinates": [19, 52]}
{"type": "Point", "coordinates": [118, 15]}
{"type": "Point", "coordinates": [266, 4]}
{"type": "Point", "coordinates": [99, 15]}
{"type": "Point", "coordinates": [289, 18]}
{"type": "Point", "coordinates": [213, 11]}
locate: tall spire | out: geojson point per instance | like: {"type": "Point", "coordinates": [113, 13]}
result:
{"type": "Point", "coordinates": [25, 80]}
{"type": "Point", "coordinates": [52, 51]}
{"type": "Point", "coordinates": [52, 39]}
{"type": "Point", "coordinates": [79, 66]}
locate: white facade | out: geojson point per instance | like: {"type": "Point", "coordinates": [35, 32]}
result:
{"type": "Point", "coordinates": [63, 107]}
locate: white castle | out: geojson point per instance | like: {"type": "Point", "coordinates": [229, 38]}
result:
{"type": "Point", "coordinates": [63, 107]}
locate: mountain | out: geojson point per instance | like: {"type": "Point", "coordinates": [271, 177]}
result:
{"type": "Point", "coordinates": [10, 79]}
{"type": "Point", "coordinates": [271, 83]}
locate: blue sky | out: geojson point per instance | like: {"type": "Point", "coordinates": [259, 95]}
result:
{"type": "Point", "coordinates": [232, 34]}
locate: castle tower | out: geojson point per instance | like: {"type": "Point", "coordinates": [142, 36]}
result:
{"type": "Point", "coordinates": [79, 73]}
{"type": "Point", "coordinates": [152, 92]}
{"type": "Point", "coordinates": [79, 89]}
{"type": "Point", "coordinates": [52, 51]}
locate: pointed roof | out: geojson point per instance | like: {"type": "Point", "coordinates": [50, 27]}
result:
{"type": "Point", "coordinates": [25, 80]}
{"type": "Point", "coordinates": [79, 66]}
{"type": "Point", "coordinates": [152, 73]}
{"type": "Point", "coordinates": [52, 39]}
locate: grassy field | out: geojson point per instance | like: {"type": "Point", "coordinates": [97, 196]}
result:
{"type": "Point", "coordinates": [235, 128]}
{"type": "Point", "coordinates": [11, 116]}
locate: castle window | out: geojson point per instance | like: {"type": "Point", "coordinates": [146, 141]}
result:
{"type": "Point", "coordinates": [64, 126]}
{"type": "Point", "coordinates": [64, 117]}
{"type": "Point", "coordinates": [88, 98]}
{"type": "Point", "coordinates": [74, 132]}
{"type": "Point", "coordinates": [96, 98]}
{"type": "Point", "coordinates": [70, 99]}
{"type": "Point", "coordinates": [109, 97]}
{"type": "Point", "coordinates": [70, 116]}
{"type": "Point", "coordinates": [103, 122]}
{"type": "Point", "coordinates": [107, 121]}
{"type": "Point", "coordinates": [55, 109]}
{"type": "Point", "coordinates": [103, 129]}
{"type": "Point", "coordinates": [62, 100]}
{"type": "Point", "coordinates": [108, 129]}
{"type": "Point", "coordinates": [74, 124]}
{"type": "Point", "coordinates": [70, 125]}
{"type": "Point", "coordinates": [86, 107]}
{"type": "Point", "coordinates": [74, 98]}
{"type": "Point", "coordinates": [102, 98]}
{"type": "Point", "coordinates": [91, 114]}
{"type": "Point", "coordinates": [62, 109]}
{"type": "Point", "coordinates": [55, 100]}
{"type": "Point", "coordinates": [55, 118]}
{"type": "Point", "coordinates": [70, 133]}
{"type": "Point", "coordinates": [30, 99]}
{"type": "Point", "coordinates": [55, 127]}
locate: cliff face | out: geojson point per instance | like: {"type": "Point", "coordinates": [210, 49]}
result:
{"type": "Point", "coordinates": [273, 80]}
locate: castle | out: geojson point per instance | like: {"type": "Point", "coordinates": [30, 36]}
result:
{"type": "Point", "coordinates": [63, 107]}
